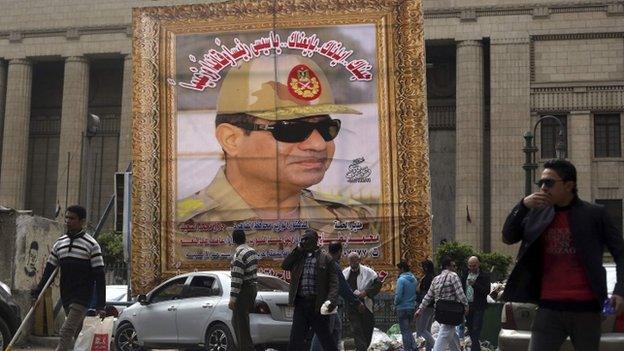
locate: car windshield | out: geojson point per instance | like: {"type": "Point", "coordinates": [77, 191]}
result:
{"type": "Point", "coordinates": [272, 284]}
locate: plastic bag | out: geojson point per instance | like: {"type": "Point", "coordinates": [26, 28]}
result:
{"type": "Point", "coordinates": [394, 329]}
{"type": "Point", "coordinates": [95, 334]}
{"type": "Point", "coordinates": [379, 341]}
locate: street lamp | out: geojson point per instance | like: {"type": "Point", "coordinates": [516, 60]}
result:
{"type": "Point", "coordinates": [530, 165]}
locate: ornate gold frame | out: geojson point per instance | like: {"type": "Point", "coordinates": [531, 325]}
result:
{"type": "Point", "coordinates": [402, 98]}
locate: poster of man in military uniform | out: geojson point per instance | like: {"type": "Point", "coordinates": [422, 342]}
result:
{"type": "Point", "coordinates": [276, 119]}
{"type": "Point", "coordinates": [284, 141]}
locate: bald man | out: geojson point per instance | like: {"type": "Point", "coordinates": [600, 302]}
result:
{"type": "Point", "coordinates": [476, 286]}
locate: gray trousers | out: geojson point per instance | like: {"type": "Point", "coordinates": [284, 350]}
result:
{"type": "Point", "coordinates": [240, 316]}
{"type": "Point", "coordinates": [550, 329]}
{"type": "Point", "coordinates": [72, 325]}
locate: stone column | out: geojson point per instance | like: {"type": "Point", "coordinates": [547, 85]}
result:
{"type": "Point", "coordinates": [16, 132]}
{"type": "Point", "coordinates": [580, 146]}
{"type": "Point", "coordinates": [3, 77]}
{"type": "Point", "coordinates": [509, 119]}
{"type": "Point", "coordinates": [125, 124]}
{"type": "Point", "coordinates": [469, 144]}
{"type": "Point", "coordinates": [73, 126]}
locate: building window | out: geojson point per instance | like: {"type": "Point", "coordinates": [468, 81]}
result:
{"type": "Point", "coordinates": [614, 209]}
{"type": "Point", "coordinates": [549, 133]}
{"type": "Point", "coordinates": [607, 135]}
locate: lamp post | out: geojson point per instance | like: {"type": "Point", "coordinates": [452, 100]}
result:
{"type": "Point", "coordinates": [530, 165]}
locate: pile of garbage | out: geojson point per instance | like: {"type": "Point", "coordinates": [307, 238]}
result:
{"type": "Point", "coordinates": [393, 341]}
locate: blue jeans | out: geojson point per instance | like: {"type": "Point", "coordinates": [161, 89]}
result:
{"type": "Point", "coordinates": [405, 320]}
{"type": "Point", "coordinates": [447, 338]}
{"type": "Point", "coordinates": [335, 328]}
{"type": "Point", "coordinates": [423, 326]}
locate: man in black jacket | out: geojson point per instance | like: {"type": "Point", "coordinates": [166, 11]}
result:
{"type": "Point", "coordinates": [81, 266]}
{"type": "Point", "coordinates": [313, 280]}
{"type": "Point", "coordinates": [476, 284]}
{"type": "Point", "coordinates": [559, 263]}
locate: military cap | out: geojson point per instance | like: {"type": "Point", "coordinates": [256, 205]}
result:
{"type": "Point", "coordinates": [282, 87]}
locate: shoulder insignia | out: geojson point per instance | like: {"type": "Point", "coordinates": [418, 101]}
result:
{"type": "Point", "coordinates": [339, 202]}
{"type": "Point", "coordinates": [192, 206]}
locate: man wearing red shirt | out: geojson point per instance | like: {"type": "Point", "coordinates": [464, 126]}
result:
{"type": "Point", "coordinates": [559, 263]}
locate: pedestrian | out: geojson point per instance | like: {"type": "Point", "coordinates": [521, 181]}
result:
{"type": "Point", "coordinates": [345, 296]}
{"type": "Point", "coordinates": [559, 263]}
{"type": "Point", "coordinates": [445, 286]}
{"type": "Point", "coordinates": [313, 281]}
{"type": "Point", "coordinates": [366, 285]}
{"type": "Point", "coordinates": [405, 303]}
{"type": "Point", "coordinates": [79, 258]}
{"type": "Point", "coordinates": [243, 291]}
{"type": "Point", "coordinates": [476, 285]}
{"type": "Point", "coordinates": [425, 320]}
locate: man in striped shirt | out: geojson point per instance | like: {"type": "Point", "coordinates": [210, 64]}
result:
{"type": "Point", "coordinates": [243, 289]}
{"type": "Point", "coordinates": [446, 286]}
{"type": "Point", "coordinates": [79, 259]}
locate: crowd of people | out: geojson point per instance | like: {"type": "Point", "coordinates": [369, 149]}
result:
{"type": "Point", "coordinates": [416, 299]}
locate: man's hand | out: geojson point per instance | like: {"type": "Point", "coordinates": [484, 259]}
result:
{"type": "Point", "coordinates": [101, 314]}
{"type": "Point", "coordinates": [538, 200]}
{"type": "Point", "coordinates": [361, 294]}
{"type": "Point", "coordinates": [361, 308]}
{"type": "Point", "coordinates": [617, 302]}
{"type": "Point", "coordinates": [417, 313]}
{"type": "Point", "coordinates": [232, 305]}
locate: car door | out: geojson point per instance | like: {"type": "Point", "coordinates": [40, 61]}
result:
{"type": "Point", "coordinates": [157, 320]}
{"type": "Point", "coordinates": [201, 297]}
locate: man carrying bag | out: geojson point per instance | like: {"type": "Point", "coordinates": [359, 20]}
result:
{"type": "Point", "coordinates": [450, 305]}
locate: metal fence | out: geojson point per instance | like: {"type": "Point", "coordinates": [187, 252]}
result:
{"type": "Point", "coordinates": [116, 274]}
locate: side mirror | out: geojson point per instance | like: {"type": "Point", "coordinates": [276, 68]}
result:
{"type": "Point", "coordinates": [142, 299]}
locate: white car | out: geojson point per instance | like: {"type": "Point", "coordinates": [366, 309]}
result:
{"type": "Point", "coordinates": [191, 310]}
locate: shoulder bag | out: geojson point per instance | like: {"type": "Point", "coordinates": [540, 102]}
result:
{"type": "Point", "coordinates": [449, 312]}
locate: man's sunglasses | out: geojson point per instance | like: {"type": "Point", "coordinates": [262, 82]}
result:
{"type": "Point", "coordinates": [548, 183]}
{"type": "Point", "coordinates": [297, 131]}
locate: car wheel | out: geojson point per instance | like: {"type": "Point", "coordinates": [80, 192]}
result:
{"type": "Point", "coordinates": [219, 338]}
{"type": "Point", "coordinates": [126, 338]}
{"type": "Point", "coordinates": [5, 334]}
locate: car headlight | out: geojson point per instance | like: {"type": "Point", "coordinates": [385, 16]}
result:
{"type": "Point", "coordinates": [5, 287]}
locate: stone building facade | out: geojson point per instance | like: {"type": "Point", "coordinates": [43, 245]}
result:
{"type": "Point", "coordinates": [494, 68]}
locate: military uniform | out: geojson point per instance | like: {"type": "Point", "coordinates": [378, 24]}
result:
{"type": "Point", "coordinates": [219, 202]}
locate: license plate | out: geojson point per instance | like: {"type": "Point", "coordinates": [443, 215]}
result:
{"type": "Point", "coordinates": [288, 312]}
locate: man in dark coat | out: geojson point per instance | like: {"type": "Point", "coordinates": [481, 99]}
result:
{"type": "Point", "coordinates": [313, 281]}
{"type": "Point", "coordinates": [559, 263]}
{"type": "Point", "coordinates": [476, 284]}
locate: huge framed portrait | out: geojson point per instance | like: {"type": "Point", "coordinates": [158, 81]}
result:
{"type": "Point", "coordinates": [275, 117]}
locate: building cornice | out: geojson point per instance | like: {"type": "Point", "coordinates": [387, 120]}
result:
{"type": "Point", "coordinates": [604, 97]}
{"type": "Point", "coordinates": [68, 32]}
{"type": "Point", "coordinates": [613, 8]}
